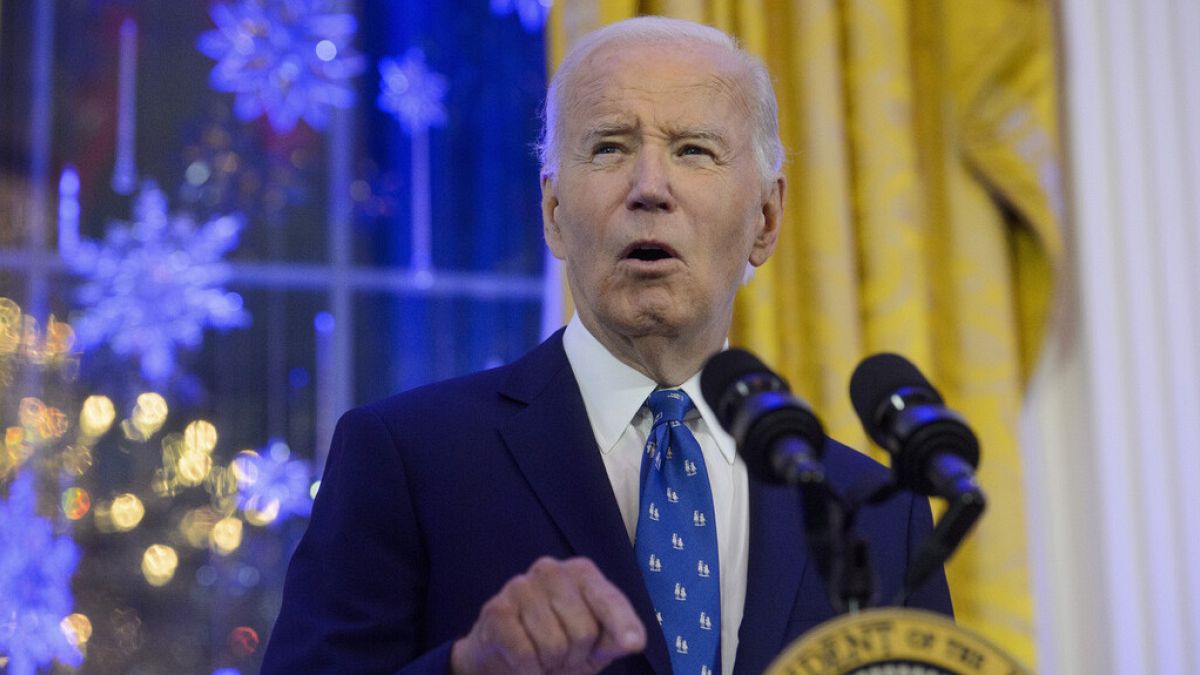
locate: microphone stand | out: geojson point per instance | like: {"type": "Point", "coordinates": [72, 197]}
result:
{"type": "Point", "coordinates": [851, 576]}
{"type": "Point", "coordinates": [951, 528]}
{"type": "Point", "coordinates": [852, 581]}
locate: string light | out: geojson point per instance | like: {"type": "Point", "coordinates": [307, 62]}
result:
{"type": "Point", "coordinates": [159, 563]}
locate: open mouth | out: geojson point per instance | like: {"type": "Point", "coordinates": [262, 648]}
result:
{"type": "Point", "coordinates": [646, 251]}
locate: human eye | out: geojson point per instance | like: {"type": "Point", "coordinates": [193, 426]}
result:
{"type": "Point", "coordinates": [606, 148]}
{"type": "Point", "coordinates": [694, 150]}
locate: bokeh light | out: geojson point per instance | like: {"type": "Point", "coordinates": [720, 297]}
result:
{"type": "Point", "coordinates": [196, 526]}
{"type": "Point", "coordinates": [10, 323]}
{"type": "Point", "coordinates": [245, 467]}
{"type": "Point", "coordinates": [148, 416]}
{"type": "Point", "coordinates": [126, 512]}
{"type": "Point", "coordinates": [243, 640]}
{"type": "Point", "coordinates": [60, 337]}
{"type": "Point", "coordinates": [159, 563]}
{"type": "Point", "coordinates": [15, 451]}
{"type": "Point", "coordinates": [199, 436]}
{"type": "Point", "coordinates": [192, 467]}
{"type": "Point", "coordinates": [260, 510]}
{"type": "Point", "coordinates": [77, 459]}
{"type": "Point", "coordinates": [76, 502]}
{"type": "Point", "coordinates": [226, 536]}
{"type": "Point", "coordinates": [77, 628]}
{"type": "Point", "coordinates": [96, 416]}
{"type": "Point", "coordinates": [45, 422]}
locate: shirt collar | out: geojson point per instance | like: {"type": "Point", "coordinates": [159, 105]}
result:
{"type": "Point", "coordinates": [614, 392]}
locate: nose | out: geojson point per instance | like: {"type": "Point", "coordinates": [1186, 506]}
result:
{"type": "Point", "coordinates": [649, 184]}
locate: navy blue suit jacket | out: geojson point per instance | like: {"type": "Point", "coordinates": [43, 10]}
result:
{"type": "Point", "coordinates": [431, 500]}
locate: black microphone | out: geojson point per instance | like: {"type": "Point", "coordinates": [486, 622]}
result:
{"type": "Point", "coordinates": [933, 450]}
{"type": "Point", "coordinates": [777, 434]}
{"type": "Point", "coordinates": [781, 441]}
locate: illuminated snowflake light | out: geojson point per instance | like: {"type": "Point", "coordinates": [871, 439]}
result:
{"type": "Point", "coordinates": [289, 59]}
{"type": "Point", "coordinates": [411, 92]}
{"type": "Point", "coordinates": [271, 486]}
{"type": "Point", "coordinates": [532, 13]}
{"type": "Point", "coordinates": [35, 584]}
{"type": "Point", "coordinates": [154, 284]}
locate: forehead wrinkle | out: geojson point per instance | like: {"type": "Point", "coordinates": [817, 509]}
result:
{"type": "Point", "coordinates": [731, 89]}
{"type": "Point", "coordinates": [596, 96]}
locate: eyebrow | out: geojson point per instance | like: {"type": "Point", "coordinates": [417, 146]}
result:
{"type": "Point", "coordinates": [607, 129]}
{"type": "Point", "coordinates": [699, 134]}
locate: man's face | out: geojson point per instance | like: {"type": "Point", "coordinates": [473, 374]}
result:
{"type": "Point", "coordinates": [658, 203]}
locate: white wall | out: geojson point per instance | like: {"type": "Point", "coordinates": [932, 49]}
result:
{"type": "Point", "coordinates": [1112, 428]}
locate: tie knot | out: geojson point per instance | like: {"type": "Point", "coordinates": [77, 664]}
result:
{"type": "Point", "coordinates": [668, 405]}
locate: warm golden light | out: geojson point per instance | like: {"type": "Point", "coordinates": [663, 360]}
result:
{"type": "Point", "coordinates": [77, 628]}
{"type": "Point", "coordinates": [147, 417]}
{"type": "Point", "coordinates": [126, 512]}
{"type": "Point", "coordinates": [53, 423]}
{"type": "Point", "coordinates": [45, 422]}
{"type": "Point", "coordinates": [197, 525]}
{"type": "Point", "coordinates": [60, 337]}
{"type": "Point", "coordinates": [76, 459]}
{"type": "Point", "coordinates": [76, 502]}
{"type": "Point", "coordinates": [96, 416]}
{"type": "Point", "coordinates": [222, 486]}
{"type": "Point", "coordinates": [192, 467]}
{"type": "Point", "coordinates": [159, 563]}
{"type": "Point", "coordinates": [312, 490]}
{"type": "Point", "coordinates": [10, 326]}
{"type": "Point", "coordinates": [15, 450]}
{"type": "Point", "coordinates": [199, 436]}
{"type": "Point", "coordinates": [260, 510]}
{"type": "Point", "coordinates": [245, 467]}
{"type": "Point", "coordinates": [226, 536]}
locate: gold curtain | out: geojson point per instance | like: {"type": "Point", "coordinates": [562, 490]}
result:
{"type": "Point", "coordinates": [922, 217]}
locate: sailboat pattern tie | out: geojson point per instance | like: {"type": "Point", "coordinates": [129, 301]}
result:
{"type": "Point", "coordinates": [676, 541]}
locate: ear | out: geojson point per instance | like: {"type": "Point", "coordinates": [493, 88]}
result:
{"type": "Point", "coordinates": [550, 228]}
{"type": "Point", "coordinates": [768, 226]}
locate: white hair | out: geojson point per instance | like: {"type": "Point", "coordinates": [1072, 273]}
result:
{"type": "Point", "coordinates": [658, 30]}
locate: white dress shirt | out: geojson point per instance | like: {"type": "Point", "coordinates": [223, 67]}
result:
{"type": "Point", "coordinates": [614, 395]}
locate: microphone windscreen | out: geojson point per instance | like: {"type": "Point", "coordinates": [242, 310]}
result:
{"type": "Point", "coordinates": [877, 378]}
{"type": "Point", "coordinates": [721, 372]}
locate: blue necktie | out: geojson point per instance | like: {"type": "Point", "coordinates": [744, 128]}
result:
{"type": "Point", "coordinates": [676, 540]}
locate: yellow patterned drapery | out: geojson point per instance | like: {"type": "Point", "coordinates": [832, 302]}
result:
{"type": "Point", "coordinates": [922, 217]}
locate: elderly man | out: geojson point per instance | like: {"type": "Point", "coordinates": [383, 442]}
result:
{"type": "Point", "coordinates": [580, 509]}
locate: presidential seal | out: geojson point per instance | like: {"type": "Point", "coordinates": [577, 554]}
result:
{"type": "Point", "coordinates": [894, 641]}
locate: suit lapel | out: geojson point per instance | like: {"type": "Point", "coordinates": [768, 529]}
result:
{"type": "Point", "coordinates": [778, 561]}
{"type": "Point", "coordinates": [552, 443]}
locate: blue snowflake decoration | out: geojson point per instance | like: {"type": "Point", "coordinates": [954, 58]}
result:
{"type": "Point", "coordinates": [154, 284]}
{"type": "Point", "coordinates": [289, 59]}
{"type": "Point", "coordinates": [532, 13]}
{"type": "Point", "coordinates": [411, 92]}
{"type": "Point", "coordinates": [272, 487]}
{"type": "Point", "coordinates": [35, 584]}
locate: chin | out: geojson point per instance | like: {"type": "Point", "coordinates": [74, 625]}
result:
{"type": "Point", "coordinates": [650, 319]}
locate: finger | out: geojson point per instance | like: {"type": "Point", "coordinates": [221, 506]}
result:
{"type": "Point", "coordinates": [543, 628]}
{"type": "Point", "coordinates": [498, 642]}
{"type": "Point", "coordinates": [621, 631]}
{"type": "Point", "coordinates": [578, 623]}
{"type": "Point", "coordinates": [562, 583]}
{"type": "Point", "coordinates": [515, 649]}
